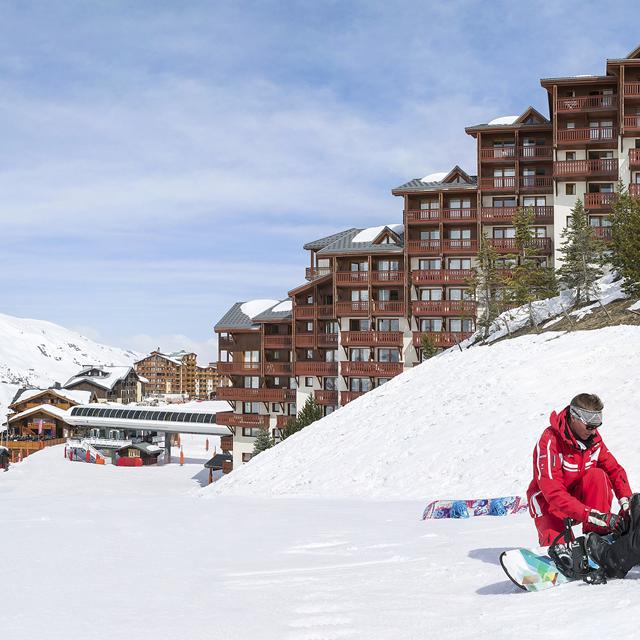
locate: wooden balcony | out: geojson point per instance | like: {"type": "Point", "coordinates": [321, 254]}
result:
{"type": "Point", "coordinates": [464, 214]}
{"type": "Point", "coordinates": [634, 189]}
{"type": "Point", "coordinates": [607, 167]}
{"type": "Point", "coordinates": [632, 89]}
{"type": "Point", "coordinates": [423, 215]}
{"type": "Point", "coordinates": [599, 200]}
{"type": "Point", "coordinates": [328, 340]}
{"type": "Point", "coordinates": [311, 273]}
{"type": "Point", "coordinates": [535, 153]}
{"type": "Point", "coordinates": [593, 135]}
{"type": "Point", "coordinates": [312, 311]}
{"type": "Point", "coordinates": [497, 154]}
{"type": "Point", "coordinates": [227, 344]}
{"type": "Point", "coordinates": [424, 247]}
{"type": "Point", "coordinates": [587, 104]}
{"type": "Point", "coordinates": [634, 158]}
{"type": "Point", "coordinates": [353, 308]}
{"type": "Point", "coordinates": [325, 397]}
{"type": "Point", "coordinates": [231, 419]}
{"type": "Point", "coordinates": [352, 277]}
{"type": "Point", "coordinates": [464, 246]}
{"type": "Point", "coordinates": [632, 123]}
{"type": "Point", "coordinates": [277, 341]}
{"type": "Point", "coordinates": [278, 368]}
{"type": "Point", "coordinates": [442, 339]}
{"type": "Point", "coordinates": [537, 184]}
{"type": "Point", "coordinates": [387, 277]}
{"type": "Point", "coordinates": [305, 340]}
{"type": "Point", "coordinates": [502, 184]}
{"type": "Point", "coordinates": [443, 307]}
{"type": "Point", "coordinates": [508, 245]}
{"type": "Point", "coordinates": [256, 395]}
{"type": "Point", "coordinates": [604, 233]}
{"type": "Point", "coordinates": [441, 276]}
{"type": "Point", "coordinates": [307, 368]}
{"type": "Point", "coordinates": [505, 214]}
{"type": "Point", "coordinates": [370, 369]}
{"type": "Point", "coordinates": [239, 368]}
{"type": "Point", "coordinates": [371, 338]}
{"type": "Point", "coordinates": [348, 396]}
{"type": "Point", "coordinates": [388, 308]}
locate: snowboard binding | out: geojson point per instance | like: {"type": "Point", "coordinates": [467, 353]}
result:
{"type": "Point", "coordinates": [570, 556]}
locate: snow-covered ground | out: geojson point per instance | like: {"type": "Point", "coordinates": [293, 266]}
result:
{"type": "Point", "coordinates": [322, 537]}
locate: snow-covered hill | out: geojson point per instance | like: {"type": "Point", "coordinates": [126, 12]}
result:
{"type": "Point", "coordinates": [463, 424]}
{"type": "Point", "coordinates": [38, 353]}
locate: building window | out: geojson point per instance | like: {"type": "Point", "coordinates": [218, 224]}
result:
{"type": "Point", "coordinates": [461, 324]}
{"type": "Point", "coordinates": [430, 324]}
{"type": "Point", "coordinates": [459, 263]}
{"type": "Point", "coordinates": [430, 294]}
{"type": "Point", "coordinates": [250, 407]}
{"type": "Point", "coordinates": [360, 266]}
{"type": "Point", "coordinates": [357, 324]}
{"type": "Point", "coordinates": [570, 189]}
{"type": "Point", "coordinates": [250, 432]}
{"type": "Point", "coordinates": [330, 384]}
{"type": "Point", "coordinates": [246, 457]}
{"type": "Point", "coordinates": [331, 355]}
{"type": "Point", "coordinates": [359, 295]}
{"type": "Point", "coordinates": [388, 324]}
{"type": "Point", "coordinates": [251, 382]}
{"type": "Point", "coordinates": [388, 355]}
{"type": "Point", "coordinates": [275, 407]}
{"type": "Point", "coordinates": [429, 264]}
{"type": "Point", "coordinates": [361, 354]}
{"type": "Point", "coordinates": [504, 232]}
{"type": "Point", "coordinates": [361, 385]}
{"type": "Point", "coordinates": [308, 381]}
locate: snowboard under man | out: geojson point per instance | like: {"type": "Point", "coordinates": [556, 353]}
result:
{"type": "Point", "coordinates": [575, 476]}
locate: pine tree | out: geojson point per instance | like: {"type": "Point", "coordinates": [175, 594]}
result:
{"type": "Point", "coordinates": [310, 412]}
{"type": "Point", "coordinates": [625, 241]}
{"type": "Point", "coordinates": [486, 284]}
{"type": "Point", "coordinates": [581, 254]}
{"type": "Point", "coordinates": [428, 346]}
{"type": "Point", "coordinates": [263, 441]}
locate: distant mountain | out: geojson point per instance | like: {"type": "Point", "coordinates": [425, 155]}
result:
{"type": "Point", "coordinates": [38, 353]}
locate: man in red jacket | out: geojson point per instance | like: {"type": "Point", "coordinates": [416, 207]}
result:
{"type": "Point", "coordinates": [575, 475]}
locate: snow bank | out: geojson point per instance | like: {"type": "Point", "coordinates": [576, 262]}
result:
{"type": "Point", "coordinates": [435, 177]}
{"type": "Point", "coordinates": [256, 307]}
{"type": "Point", "coordinates": [371, 233]}
{"type": "Point", "coordinates": [462, 424]}
{"type": "Point", "coordinates": [504, 120]}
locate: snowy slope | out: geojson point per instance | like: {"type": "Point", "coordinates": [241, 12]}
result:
{"type": "Point", "coordinates": [460, 425]}
{"type": "Point", "coordinates": [38, 353]}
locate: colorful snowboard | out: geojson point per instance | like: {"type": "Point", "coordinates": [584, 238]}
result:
{"type": "Point", "coordinates": [531, 569]}
{"type": "Point", "coordinates": [467, 508]}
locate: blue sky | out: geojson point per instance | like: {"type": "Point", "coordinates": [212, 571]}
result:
{"type": "Point", "coordinates": [162, 160]}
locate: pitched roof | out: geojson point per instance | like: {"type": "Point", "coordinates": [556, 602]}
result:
{"type": "Point", "coordinates": [315, 245]}
{"type": "Point", "coordinates": [456, 179]}
{"type": "Point", "coordinates": [346, 243]}
{"type": "Point", "coordinates": [635, 53]}
{"type": "Point", "coordinates": [107, 379]}
{"type": "Point", "coordinates": [513, 122]}
{"type": "Point", "coordinates": [77, 397]}
{"type": "Point", "coordinates": [217, 460]}
{"type": "Point", "coordinates": [278, 312]}
{"type": "Point", "coordinates": [56, 412]}
{"type": "Point", "coordinates": [146, 447]}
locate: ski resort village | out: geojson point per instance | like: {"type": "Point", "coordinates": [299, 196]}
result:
{"type": "Point", "coordinates": [348, 402]}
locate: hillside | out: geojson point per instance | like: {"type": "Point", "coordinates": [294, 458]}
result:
{"type": "Point", "coordinates": [462, 424]}
{"type": "Point", "coordinates": [38, 353]}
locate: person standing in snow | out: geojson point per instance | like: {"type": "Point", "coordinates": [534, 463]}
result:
{"type": "Point", "coordinates": [575, 475]}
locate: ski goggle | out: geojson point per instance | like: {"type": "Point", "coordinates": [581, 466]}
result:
{"type": "Point", "coordinates": [592, 419]}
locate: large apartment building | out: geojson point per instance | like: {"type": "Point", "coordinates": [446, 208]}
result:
{"type": "Point", "coordinates": [371, 294]}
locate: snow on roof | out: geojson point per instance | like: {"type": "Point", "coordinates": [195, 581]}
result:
{"type": "Point", "coordinates": [253, 308]}
{"type": "Point", "coordinates": [439, 176]}
{"type": "Point", "coordinates": [504, 120]}
{"type": "Point", "coordinates": [285, 305]}
{"type": "Point", "coordinates": [371, 233]}
{"type": "Point", "coordinates": [48, 408]}
{"type": "Point", "coordinates": [112, 375]}
{"type": "Point", "coordinates": [79, 397]}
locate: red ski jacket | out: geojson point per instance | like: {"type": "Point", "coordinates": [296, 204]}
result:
{"type": "Point", "coordinates": [560, 461]}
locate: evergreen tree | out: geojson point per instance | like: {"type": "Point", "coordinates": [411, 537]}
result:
{"type": "Point", "coordinates": [486, 284]}
{"type": "Point", "coordinates": [625, 241]}
{"type": "Point", "coordinates": [263, 441]}
{"type": "Point", "coordinates": [581, 254]}
{"type": "Point", "coordinates": [310, 412]}
{"type": "Point", "coordinates": [428, 346]}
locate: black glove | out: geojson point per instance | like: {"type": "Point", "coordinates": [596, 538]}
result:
{"type": "Point", "coordinates": [612, 521]}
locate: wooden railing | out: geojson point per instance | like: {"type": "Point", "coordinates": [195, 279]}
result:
{"type": "Point", "coordinates": [226, 344]}
{"type": "Point", "coordinates": [388, 307]}
{"type": "Point", "coordinates": [599, 200]}
{"type": "Point", "coordinates": [313, 311]}
{"type": "Point", "coordinates": [595, 134]}
{"type": "Point", "coordinates": [370, 368]}
{"type": "Point", "coordinates": [509, 244]}
{"type": "Point", "coordinates": [311, 273]}
{"type": "Point", "coordinates": [632, 122]}
{"type": "Point", "coordinates": [444, 276]}
{"type": "Point", "coordinates": [498, 153]}
{"type": "Point", "coordinates": [498, 183]}
{"type": "Point", "coordinates": [632, 89]}
{"type": "Point", "coordinates": [524, 152]}
{"type": "Point", "coordinates": [460, 246]}
{"type": "Point", "coordinates": [327, 339]}
{"type": "Point", "coordinates": [231, 419]}
{"type": "Point", "coordinates": [348, 396]}
{"type": "Point", "coordinates": [440, 338]}
{"type": "Point", "coordinates": [278, 368]}
{"type": "Point", "coordinates": [363, 338]}
{"type": "Point", "coordinates": [443, 307]}
{"type": "Point", "coordinates": [277, 341]}
{"type": "Point", "coordinates": [239, 368]}
{"type": "Point", "coordinates": [535, 152]}
{"type": "Point", "coordinates": [305, 340]}
{"type": "Point", "coordinates": [352, 277]}
{"type": "Point", "coordinates": [256, 395]}
{"type": "Point", "coordinates": [634, 158]}
{"type": "Point", "coordinates": [359, 307]}
{"type": "Point", "coordinates": [603, 166]}
{"type": "Point", "coordinates": [586, 103]}
{"type": "Point", "coordinates": [386, 277]}
{"type": "Point", "coordinates": [505, 214]}
{"type": "Point", "coordinates": [316, 368]}
{"type": "Point", "coordinates": [604, 233]}
{"type": "Point", "coordinates": [323, 396]}
{"type": "Point", "coordinates": [425, 247]}
{"type": "Point", "coordinates": [463, 214]}
{"type": "Point", "coordinates": [536, 183]}
{"type": "Point", "coordinates": [424, 215]}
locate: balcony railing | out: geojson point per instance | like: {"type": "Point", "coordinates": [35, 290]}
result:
{"type": "Point", "coordinates": [231, 419]}
{"type": "Point", "coordinates": [369, 368]}
{"type": "Point", "coordinates": [424, 215]}
{"type": "Point", "coordinates": [305, 340]}
{"type": "Point", "coordinates": [591, 135]}
{"type": "Point", "coordinates": [540, 184]}
{"type": "Point", "coordinates": [599, 200]}
{"type": "Point", "coordinates": [256, 395]}
{"type": "Point", "coordinates": [443, 307]}
{"type": "Point", "coordinates": [632, 123]}
{"type": "Point", "coordinates": [601, 167]}
{"type": "Point", "coordinates": [441, 276]}
{"type": "Point", "coordinates": [505, 214]}
{"type": "Point", "coordinates": [498, 153]}
{"type": "Point", "coordinates": [424, 247]}
{"type": "Point", "coordinates": [604, 233]}
{"type": "Point", "coordinates": [632, 89]}
{"type": "Point", "coordinates": [441, 338]}
{"type": "Point", "coordinates": [316, 368]}
{"type": "Point", "coordinates": [311, 273]}
{"type": "Point", "coordinates": [348, 396]}
{"type": "Point", "coordinates": [353, 308]}
{"type": "Point", "coordinates": [386, 277]}
{"type": "Point", "coordinates": [634, 158]}
{"type": "Point", "coordinates": [535, 152]}
{"type": "Point", "coordinates": [226, 344]}
{"type": "Point", "coordinates": [277, 342]}
{"type": "Point", "coordinates": [464, 246]}
{"type": "Point", "coordinates": [508, 245]}
{"type": "Point", "coordinates": [388, 307]}
{"type": "Point", "coordinates": [586, 103]}
{"type": "Point", "coordinates": [499, 183]}
{"type": "Point", "coordinates": [313, 311]}
{"type": "Point", "coordinates": [278, 368]}
{"type": "Point", "coordinates": [239, 368]}
{"type": "Point", "coordinates": [440, 215]}
{"type": "Point", "coordinates": [352, 277]}
{"type": "Point", "coordinates": [327, 339]}
{"type": "Point", "coordinates": [366, 338]}
{"type": "Point", "coordinates": [463, 214]}
{"type": "Point", "coordinates": [634, 189]}
{"type": "Point", "coordinates": [324, 397]}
